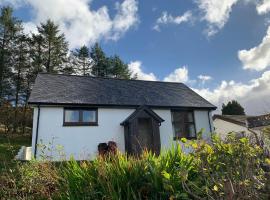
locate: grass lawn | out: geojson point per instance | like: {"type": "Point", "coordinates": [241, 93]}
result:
{"type": "Point", "coordinates": [9, 147]}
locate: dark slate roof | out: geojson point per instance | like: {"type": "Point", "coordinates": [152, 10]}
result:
{"type": "Point", "coordinates": [257, 121]}
{"type": "Point", "coordinates": [85, 90]}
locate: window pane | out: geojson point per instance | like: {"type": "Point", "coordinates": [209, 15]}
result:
{"type": "Point", "coordinates": [71, 116]}
{"type": "Point", "coordinates": [178, 116]}
{"type": "Point", "coordinates": [182, 116]}
{"type": "Point", "coordinates": [179, 130]}
{"type": "Point", "coordinates": [190, 130]}
{"type": "Point", "coordinates": [89, 116]}
{"type": "Point", "coordinates": [183, 124]}
{"type": "Point", "coordinates": [189, 117]}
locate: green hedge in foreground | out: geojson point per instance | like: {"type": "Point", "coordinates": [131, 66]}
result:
{"type": "Point", "coordinates": [223, 170]}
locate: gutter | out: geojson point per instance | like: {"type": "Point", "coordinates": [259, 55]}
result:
{"type": "Point", "coordinates": [37, 128]}
{"type": "Point", "coordinates": [119, 106]}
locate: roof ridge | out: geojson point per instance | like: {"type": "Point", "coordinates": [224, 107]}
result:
{"type": "Point", "coordinates": [110, 78]}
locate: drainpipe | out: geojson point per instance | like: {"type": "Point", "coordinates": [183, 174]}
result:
{"type": "Point", "coordinates": [37, 127]}
{"type": "Point", "coordinates": [210, 125]}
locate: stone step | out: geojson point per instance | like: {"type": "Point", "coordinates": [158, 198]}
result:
{"type": "Point", "coordinates": [25, 153]}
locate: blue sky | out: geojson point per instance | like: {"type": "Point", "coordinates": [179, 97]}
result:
{"type": "Point", "coordinates": [221, 49]}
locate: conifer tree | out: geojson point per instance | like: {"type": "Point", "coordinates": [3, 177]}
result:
{"type": "Point", "coordinates": [118, 69]}
{"type": "Point", "coordinates": [82, 61]}
{"type": "Point", "coordinates": [112, 67]}
{"type": "Point", "coordinates": [100, 67]}
{"type": "Point", "coordinates": [53, 46]}
{"type": "Point", "coordinates": [9, 26]}
{"type": "Point", "coordinates": [20, 68]}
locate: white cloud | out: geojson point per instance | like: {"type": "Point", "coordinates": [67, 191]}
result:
{"type": "Point", "coordinates": [263, 7]}
{"type": "Point", "coordinates": [216, 13]}
{"type": "Point", "coordinates": [79, 22]}
{"type": "Point", "coordinates": [254, 95]}
{"type": "Point", "coordinates": [30, 27]}
{"type": "Point", "coordinates": [169, 19]}
{"type": "Point", "coordinates": [125, 18]}
{"type": "Point", "coordinates": [204, 78]}
{"type": "Point", "coordinates": [136, 70]}
{"type": "Point", "coordinates": [257, 58]}
{"type": "Point", "coordinates": [179, 75]}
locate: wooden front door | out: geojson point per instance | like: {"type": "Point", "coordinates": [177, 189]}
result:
{"type": "Point", "coordinates": [144, 134]}
{"type": "Point", "coordinates": [142, 131]}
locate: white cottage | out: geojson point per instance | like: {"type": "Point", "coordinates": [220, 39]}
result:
{"type": "Point", "coordinates": [80, 112]}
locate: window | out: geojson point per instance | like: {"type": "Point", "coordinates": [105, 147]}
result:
{"type": "Point", "coordinates": [183, 124]}
{"type": "Point", "coordinates": [80, 117]}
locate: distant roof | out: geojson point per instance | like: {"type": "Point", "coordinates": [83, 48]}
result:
{"type": "Point", "coordinates": [257, 121]}
{"type": "Point", "coordinates": [86, 90]}
{"type": "Point", "coordinates": [236, 119]}
{"type": "Point", "coordinates": [246, 121]}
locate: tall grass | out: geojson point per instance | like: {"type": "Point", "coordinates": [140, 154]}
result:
{"type": "Point", "coordinates": [122, 177]}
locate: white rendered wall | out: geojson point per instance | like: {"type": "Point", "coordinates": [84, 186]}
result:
{"type": "Point", "coordinates": [81, 141]}
{"type": "Point", "coordinates": [203, 122]}
{"type": "Point", "coordinates": [166, 129]}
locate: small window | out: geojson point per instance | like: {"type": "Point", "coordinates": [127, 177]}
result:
{"type": "Point", "coordinates": [183, 124]}
{"type": "Point", "coordinates": [80, 117]}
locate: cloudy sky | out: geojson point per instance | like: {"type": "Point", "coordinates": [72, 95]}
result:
{"type": "Point", "coordinates": [221, 49]}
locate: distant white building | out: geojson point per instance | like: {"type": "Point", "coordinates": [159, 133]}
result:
{"type": "Point", "coordinates": [240, 124]}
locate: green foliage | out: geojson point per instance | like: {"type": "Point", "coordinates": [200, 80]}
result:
{"type": "Point", "coordinates": [100, 67]}
{"type": "Point", "coordinates": [119, 69]}
{"type": "Point", "coordinates": [9, 147]}
{"type": "Point", "coordinates": [83, 63]}
{"type": "Point", "coordinates": [24, 119]}
{"type": "Point", "coordinates": [232, 108]}
{"type": "Point", "coordinates": [122, 177]}
{"type": "Point", "coordinates": [222, 170]}
{"type": "Point", "coordinates": [230, 168]}
{"type": "Point", "coordinates": [54, 46]}
{"type": "Point", "coordinates": [104, 66]}
{"type": "Point", "coordinates": [9, 27]}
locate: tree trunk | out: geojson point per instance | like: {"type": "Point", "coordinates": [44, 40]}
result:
{"type": "Point", "coordinates": [48, 67]}
{"type": "Point", "coordinates": [18, 88]}
{"type": "Point", "coordinates": [2, 65]}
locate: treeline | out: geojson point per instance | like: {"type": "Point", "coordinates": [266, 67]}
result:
{"type": "Point", "coordinates": [23, 56]}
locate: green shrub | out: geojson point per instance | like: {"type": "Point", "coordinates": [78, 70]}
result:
{"type": "Point", "coordinates": [230, 168]}
{"type": "Point", "coordinates": [223, 170]}
{"type": "Point", "coordinates": [33, 180]}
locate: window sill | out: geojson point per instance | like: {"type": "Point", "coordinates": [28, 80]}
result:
{"type": "Point", "coordinates": [80, 124]}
